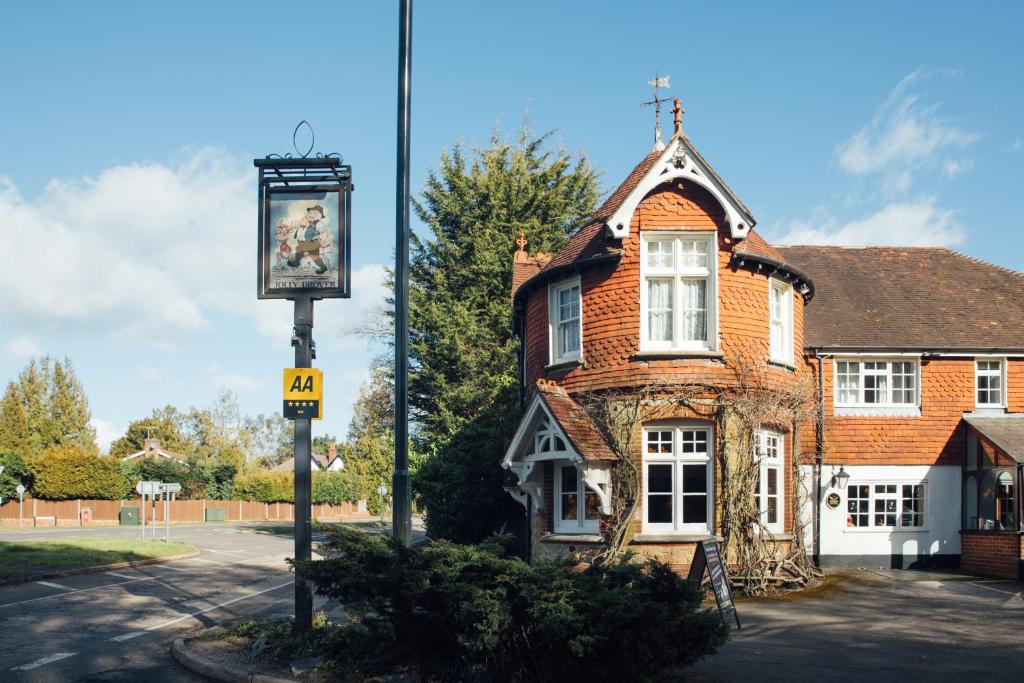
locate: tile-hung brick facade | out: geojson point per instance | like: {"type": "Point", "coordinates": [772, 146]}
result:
{"type": "Point", "coordinates": [918, 353]}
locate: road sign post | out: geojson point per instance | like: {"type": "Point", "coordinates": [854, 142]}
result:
{"type": "Point", "coordinates": [21, 505]}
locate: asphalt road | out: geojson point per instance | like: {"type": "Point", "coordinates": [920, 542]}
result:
{"type": "Point", "coordinates": [879, 626]}
{"type": "Point", "coordinates": [118, 626]}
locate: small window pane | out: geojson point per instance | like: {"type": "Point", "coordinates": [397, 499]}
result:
{"type": "Point", "coordinates": [659, 478]}
{"type": "Point", "coordinates": [695, 509]}
{"type": "Point", "coordinates": [659, 310]}
{"type": "Point", "coordinates": [593, 505]}
{"type": "Point", "coordinates": [695, 479]}
{"type": "Point", "coordinates": [694, 253]}
{"type": "Point", "coordinates": [693, 309]}
{"type": "Point", "coordinates": [659, 254]}
{"type": "Point", "coordinates": [773, 481]}
{"type": "Point", "coordinates": [659, 509]}
{"type": "Point", "coordinates": [569, 479]}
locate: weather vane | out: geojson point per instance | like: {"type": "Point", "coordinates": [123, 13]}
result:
{"type": "Point", "coordinates": [657, 82]}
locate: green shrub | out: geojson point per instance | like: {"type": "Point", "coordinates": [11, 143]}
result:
{"type": "Point", "coordinates": [265, 487]}
{"type": "Point", "coordinates": [460, 612]}
{"type": "Point", "coordinates": [65, 472]}
{"type": "Point", "coordinates": [333, 488]}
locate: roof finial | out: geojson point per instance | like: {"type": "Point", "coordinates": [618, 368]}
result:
{"type": "Point", "coordinates": [522, 242]}
{"type": "Point", "coordinates": [658, 82]}
{"type": "Point", "coordinates": [677, 109]}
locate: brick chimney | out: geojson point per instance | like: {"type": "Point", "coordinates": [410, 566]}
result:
{"type": "Point", "coordinates": [332, 454]}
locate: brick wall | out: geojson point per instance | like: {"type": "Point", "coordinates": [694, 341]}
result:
{"type": "Point", "coordinates": [933, 438]}
{"type": "Point", "coordinates": [992, 553]}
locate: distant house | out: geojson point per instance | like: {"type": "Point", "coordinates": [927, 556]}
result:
{"type": "Point", "coordinates": [151, 449]}
{"type": "Point", "coordinates": [331, 462]}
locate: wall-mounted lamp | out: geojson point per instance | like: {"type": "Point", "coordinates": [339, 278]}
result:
{"type": "Point", "coordinates": [840, 478]}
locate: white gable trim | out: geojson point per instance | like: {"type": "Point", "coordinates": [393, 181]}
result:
{"type": "Point", "coordinates": [676, 162]}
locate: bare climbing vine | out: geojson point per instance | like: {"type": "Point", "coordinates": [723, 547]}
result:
{"type": "Point", "coordinates": [750, 400]}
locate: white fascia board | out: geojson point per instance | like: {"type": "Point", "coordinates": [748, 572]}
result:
{"type": "Point", "coordinates": [675, 162]}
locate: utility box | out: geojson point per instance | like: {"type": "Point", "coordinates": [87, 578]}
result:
{"type": "Point", "coordinates": [215, 514]}
{"type": "Point", "coordinates": [129, 516]}
{"type": "Point", "coordinates": [86, 516]}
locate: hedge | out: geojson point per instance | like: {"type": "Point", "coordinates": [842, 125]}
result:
{"type": "Point", "coordinates": [65, 472]}
{"type": "Point", "coordinates": [331, 488]}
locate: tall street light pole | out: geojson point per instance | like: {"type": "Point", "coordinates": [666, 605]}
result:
{"type": "Point", "coordinates": [401, 515]}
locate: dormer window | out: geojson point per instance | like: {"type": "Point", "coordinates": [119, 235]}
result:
{"type": "Point", "coordinates": [678, 299]}
{"type": "Point", "coordinates": [566, 321]}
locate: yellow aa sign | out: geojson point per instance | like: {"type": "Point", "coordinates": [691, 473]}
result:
{"type": "Point", "coordinates": [303, 394]}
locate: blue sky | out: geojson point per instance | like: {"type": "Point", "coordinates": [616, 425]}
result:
{"type": "Point", "coordinates": [128, 132]}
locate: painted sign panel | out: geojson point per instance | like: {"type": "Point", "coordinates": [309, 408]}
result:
{"type": "Point", "coordinates": [303, 394]}
{"type": "Point", "coordinates": [708, 559]}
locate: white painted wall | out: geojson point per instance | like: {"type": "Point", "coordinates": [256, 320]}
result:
{"type": "Point", "coordinates": [941, 534]}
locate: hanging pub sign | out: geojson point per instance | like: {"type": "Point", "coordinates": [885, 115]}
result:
{"type": "Point", "coordinates": [304, 228]}
{"type": "Point", "coordinates": [707, 558]}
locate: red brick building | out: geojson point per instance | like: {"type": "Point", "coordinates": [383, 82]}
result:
{"type": "Point", "coordinates": [668, 285]}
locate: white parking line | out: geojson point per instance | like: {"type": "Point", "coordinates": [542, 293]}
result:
{"type": "Point", "coordinates": [122, 576]}
{"type": "Point", "coordinates": [218, 606]}
{"type": "Point", "coordinates": [222, 552]}
{"type": "Point", "coordinates": [45, 660]}
{"type": "Point", "coordinates": [55, 585]}
{"type": "Point", "coordinates": [200, 559]}
{"type": "Point", "coordinates": [128, 636]}
{"type": "Point", "coordinates": [80, 590]}
{"type": "Point", "coordinates": [173, 568]}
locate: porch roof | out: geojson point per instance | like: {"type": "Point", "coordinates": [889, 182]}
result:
{"type": "Point", "coordinates": [1005, 431]}
{"type": "Point", "coordinates": [575, 423]}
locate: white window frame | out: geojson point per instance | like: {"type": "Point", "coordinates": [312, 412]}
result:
{"type": "Point", "coordinates": [555, 355]}
{"type": "Point", "coordinates": [781, 352]}
{"type": "Point", "coordinates": [863, 372]}
{"type": "Point", "coordinates": [770, 451]}
{"type": "Point", "coordinates": [873, 496]}
{"type": "Point", "coordinates": [677, 459]}
{"type": "Point", "coordinates": [1001, 374]}
{"type": "Point", "coordinates": [678, 273]}
{"type": "Point", "coordinates": [580, 525]}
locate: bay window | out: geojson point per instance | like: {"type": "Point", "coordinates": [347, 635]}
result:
{"type": "Point", "coordinates": [576, 506]}
{"type": "Point", "coordinates": [876, 383]}
{"type": "Point", "coordinates": [768, 489]}
{"type": "Point", "coordinates": [678, 301]}
{"type": "Point", "coordinates": [988, 375]}
{"type": "Point", "coordinates": [888, 505]}
{"type": "Point", "coordinates": [677, 479]}
{"type": "Point", "coordinates": [780, 308]}
{"type": "Point", "coordinates": [566, 322]}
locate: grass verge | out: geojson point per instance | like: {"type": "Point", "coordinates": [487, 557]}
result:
{"type": "Point", "coordinates": [26, 559]}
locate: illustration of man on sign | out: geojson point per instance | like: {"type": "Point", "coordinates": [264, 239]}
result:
{"type": "Point", "coordinates": [307, 238]}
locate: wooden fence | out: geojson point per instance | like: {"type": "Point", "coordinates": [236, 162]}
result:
{"type": "Point", "coordinates": [66, 513]}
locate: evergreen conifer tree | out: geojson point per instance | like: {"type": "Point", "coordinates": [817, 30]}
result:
{"type": "Point", "coordinates": [463, 385]}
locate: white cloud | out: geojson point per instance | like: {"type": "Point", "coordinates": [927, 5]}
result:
{"type": "Point", "coordinates": [904, 132]}
{"type": "Point", "coordinates": [23, 347]}
{"type": "Point", "coordinates": [142, 250]}
{"type": "Point", "coordinates": [106, 433]}
{"type": "Point", "coordinates": [913, 224]}
{"type": "Point", "coordinates": [237, 383]}
{"type": "Point", "coordinates": [954, 168]}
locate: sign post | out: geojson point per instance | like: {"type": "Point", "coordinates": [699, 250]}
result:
{"type": "Point", "coordinates": [304, 255]}
{"type": "Point", "coordinates": [708, 559]}
{"type": "Point", "coordinates": [21, 505]}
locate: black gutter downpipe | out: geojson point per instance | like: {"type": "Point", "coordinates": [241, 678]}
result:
{"type": "Point", "coordinates": [818, 459]}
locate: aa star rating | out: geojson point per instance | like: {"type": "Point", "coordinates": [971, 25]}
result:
{"type": "Point", "coordinates": [303, 394]}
